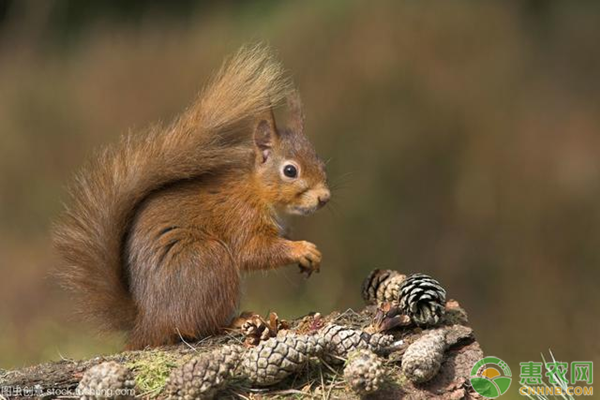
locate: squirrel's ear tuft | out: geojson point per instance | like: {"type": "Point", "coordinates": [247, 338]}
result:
{"type": "Point", "coordinates": [265, 135]}
{"type": "Point", "coordinates": [296, 113]}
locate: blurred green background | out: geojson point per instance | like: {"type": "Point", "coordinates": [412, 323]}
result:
{"type": "Point", "coordinates": [464, 140]}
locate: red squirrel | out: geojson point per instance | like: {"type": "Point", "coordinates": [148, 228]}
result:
{"type": "Point", "coordinates": [160, 228]}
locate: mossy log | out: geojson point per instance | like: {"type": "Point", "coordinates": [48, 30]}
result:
{"type": "Point", "coordinates": [152, 367]}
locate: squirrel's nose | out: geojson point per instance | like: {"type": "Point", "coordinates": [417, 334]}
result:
{"type": "Point", "coordinates": [324, 198]}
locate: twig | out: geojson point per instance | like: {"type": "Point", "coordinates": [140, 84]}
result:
{"type": "Point", "coordinates": [331, 386]}
{"type": "Point", "coordinates": [322, 382]}
{"type": "Point", "coordinates": [292, 391]}
{"type": "Point", "coordinates": [185, 342]}
{"type": "Point", "coordinates": [330, 367]}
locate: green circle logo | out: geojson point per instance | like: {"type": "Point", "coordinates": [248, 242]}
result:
{"type": "Point", "coordinates": [491, 377]}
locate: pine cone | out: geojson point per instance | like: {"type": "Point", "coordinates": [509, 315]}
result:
{"type": "Point", "coordinates": [255, 329]}
{"type": "Point", "coordinates": [203, 376]}
{"type": "Point", "coordinates": [364, 372]}
{"type": "Point", "coordinates": [340, 340]}
{"type": "Point", "coordinates": [423, 299]}
{"type": "Point", "coordinates": [423, 358]}
{"type": "Point", "coordinates": [109, 380]}
{"type": "Point", "coordinates": [273, 360]}
{"type": "Point", "coordinates": [382, 286]}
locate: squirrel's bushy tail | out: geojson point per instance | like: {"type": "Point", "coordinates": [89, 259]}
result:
{"type": "Point", "coordinates": [212, 135]}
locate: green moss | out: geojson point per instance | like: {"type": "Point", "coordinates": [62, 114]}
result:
{"type": "Point", "coordinates": [152, 370]}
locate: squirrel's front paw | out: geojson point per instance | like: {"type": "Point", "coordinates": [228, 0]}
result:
{"type": "Point", "coordinates": [307, 256]}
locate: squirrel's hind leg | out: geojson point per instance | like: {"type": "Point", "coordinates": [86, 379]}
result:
{"type": "Point", "coordinates": [193, 294]}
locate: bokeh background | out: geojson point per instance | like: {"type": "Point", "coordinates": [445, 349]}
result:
{"type": "Point", "coordinates": [463, 138]}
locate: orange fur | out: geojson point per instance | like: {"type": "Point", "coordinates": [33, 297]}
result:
{"type": "Point", "coordinates": [160, 227]}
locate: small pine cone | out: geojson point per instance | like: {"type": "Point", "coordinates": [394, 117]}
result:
{"type": "Point", "coordinates": [109, 380]}
{"type": "Point", "coordinates": [340, 340]}
{"type": "Point", "coordinates": [203, 376]}
{"type": "Point", "coordinates": [273, 360]}
{"type": "Point", "coordinates": [423, 299]}
{"type": "Point", "coordinates": [364, 372]}
{"type": "Point", "coordinates": [255, 329]}
{"type": "Point", "coordinates": [382, 286]}
{"type": "Point", "coordinates": [423, 358]}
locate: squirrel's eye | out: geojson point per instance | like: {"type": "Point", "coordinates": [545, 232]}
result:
{"type": "Point", "coordinates": [290, 171]}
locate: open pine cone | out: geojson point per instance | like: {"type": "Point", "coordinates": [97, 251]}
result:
{"type": "Point", "coordinates": [423, 299]}
{"type": "Point", "coordinates": [256, 329]}
{"type": "Point", "coordinates": [382, 286]}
